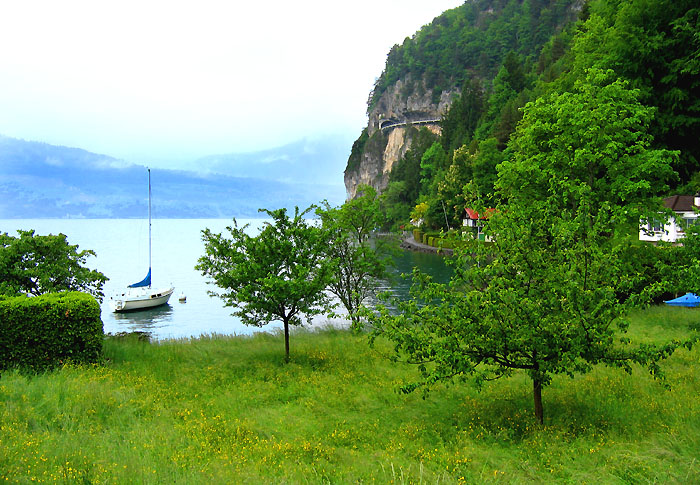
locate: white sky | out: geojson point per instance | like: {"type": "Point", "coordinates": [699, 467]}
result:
{"type": "Point", "coordinates": [163, 82]}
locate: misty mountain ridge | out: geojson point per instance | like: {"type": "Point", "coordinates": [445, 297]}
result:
{"type": "Point", "coordinates": [310, 160]}
{"type": "Point", "coordinates": [38, 180]}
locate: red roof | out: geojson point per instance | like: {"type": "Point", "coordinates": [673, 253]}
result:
{"type": "Point", "coordinates": [472, 214]}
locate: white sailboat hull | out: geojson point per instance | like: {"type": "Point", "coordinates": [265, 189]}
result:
{"type": "Point", "coordinates": [140, 299]}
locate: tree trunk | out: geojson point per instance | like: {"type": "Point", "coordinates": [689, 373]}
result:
{"type": "Point", "coordinates": [537, 394]}
{"type": "Point", "coordinates": [286, 341]}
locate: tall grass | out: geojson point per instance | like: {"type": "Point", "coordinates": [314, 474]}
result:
{"type": "Point", "coordinates": [229, 410]}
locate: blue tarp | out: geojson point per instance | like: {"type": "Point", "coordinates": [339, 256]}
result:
{"type": "Point", "coordinates": [689, 299]}
{"type": "Point", "coordinates": [144, 282]}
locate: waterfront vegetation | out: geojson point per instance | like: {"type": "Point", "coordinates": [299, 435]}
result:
{"type": "Point", "coordinates": [229, 409]}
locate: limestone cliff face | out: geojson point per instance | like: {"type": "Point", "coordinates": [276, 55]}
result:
{"type": "Point", "coordinates": [385, 146]}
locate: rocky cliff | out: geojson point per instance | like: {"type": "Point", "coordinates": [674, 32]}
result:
{"type": "Point", "coordinates": [424, 75]}
{"type": "Point", "coordinates": [396, 112]}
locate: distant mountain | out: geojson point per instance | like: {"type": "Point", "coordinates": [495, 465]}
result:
{"type": "Point", "coordinates": [312, 160]}
{"type": "Point", "coordinates": [38, 180]}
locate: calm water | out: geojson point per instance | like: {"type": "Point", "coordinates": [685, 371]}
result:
{"type": "Point", "coordinates": [122, 255]}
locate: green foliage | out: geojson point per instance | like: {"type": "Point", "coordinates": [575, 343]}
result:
{"type": "Point", "coordinates": [546, 296]}
{"type": "Point", "coordinates": [656, 272]}
{"type": "Point", "coordinates": [462, 118]}
{"type": "Point", "coordinates": [654, 45]}
{"type": "Point", "coordinates": [35, 265]}
{"type": "Point", "coordinates": [358, 148]}
{"type": "Point", "coordinates": [280, 274]}
{"type": "Point", "coordinates": [433, 160]}
{"type": "Point", "coordinates": [396, 205]}
{"type": "Point", "coordinates": [358, 264]}
{"type": "Point", "coordinates": [471, 42]}
{"type": "Point", "coordinates": [43, 332]}
{"type": "Point", "coordinates": [682, 273]}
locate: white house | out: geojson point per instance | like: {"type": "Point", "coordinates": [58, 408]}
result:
{"type": "Point", "coordinates": [685, 208]}
{"type": "Point", "coordinates": [474, 220]}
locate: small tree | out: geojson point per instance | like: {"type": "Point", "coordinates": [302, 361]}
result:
{"type": "Point", "coordinates": [35, 265]}
{"type": "Point", "coordinates": [359, 264]}
{"type": "Point", "coordinates": [280, 274]}
{"type": "Point", "coordinates": [550, 294]}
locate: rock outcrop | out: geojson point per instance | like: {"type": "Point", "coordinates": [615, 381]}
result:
{"type": "Point", "coordinates": [385, 146]}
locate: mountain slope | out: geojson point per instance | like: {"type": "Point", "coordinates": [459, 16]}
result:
{"type": "Point", "coordinates": [426, 73]}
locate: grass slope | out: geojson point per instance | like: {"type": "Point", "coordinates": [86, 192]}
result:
{"type": "Point", "coordinates": [228, 410]}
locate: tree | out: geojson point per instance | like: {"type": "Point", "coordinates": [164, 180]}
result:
{"type": "Point", "coordinates": [546, 296]}
{"type": "Point", "coordinates": [280, 274]}
{"type": "Point", "coordinates": [654, 45]}
{"type": "Point", "coordinates": [462, 118]}
{"type": "Point", "coordinates": [358, 263]}
{"type": "Point", "coordinates": [433, 161]}
{"type": "Point", "coordinates": [35, 265]}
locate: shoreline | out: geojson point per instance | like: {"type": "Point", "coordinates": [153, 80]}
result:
{"type": "Point", "coordinates": [409, 243]}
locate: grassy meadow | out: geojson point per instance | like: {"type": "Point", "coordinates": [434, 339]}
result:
{"type": "Point", "coordinates": [229, 410]}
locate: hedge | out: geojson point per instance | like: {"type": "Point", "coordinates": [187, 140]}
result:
{"type": "Point", "coordinates": [42, 332]}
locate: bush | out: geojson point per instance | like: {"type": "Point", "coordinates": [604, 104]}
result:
{"type": "Point", "coordinates": [42, 332]}
{"type": "Point", "coordinates": [445, 243]}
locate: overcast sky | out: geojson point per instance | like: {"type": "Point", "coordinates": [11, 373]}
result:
{"type": "Point", "coordinates": [164, 82]}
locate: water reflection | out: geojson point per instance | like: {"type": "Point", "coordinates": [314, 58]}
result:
{"type": "Point", "coordinates": [151, 320]}
{"type": "Point", "coordinates": [398, 284]}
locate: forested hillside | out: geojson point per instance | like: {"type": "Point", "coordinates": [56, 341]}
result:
{"type": "Point", "coordinates": [523, 55]}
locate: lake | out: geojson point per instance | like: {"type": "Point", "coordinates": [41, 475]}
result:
{"type": "Point", "coordinates": [122, 255]}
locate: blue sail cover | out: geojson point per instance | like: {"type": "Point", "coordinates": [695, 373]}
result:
{"type": "Point", "coordinates": [689, 300]}
{"type": "Point", "coordinates": [144, 282]}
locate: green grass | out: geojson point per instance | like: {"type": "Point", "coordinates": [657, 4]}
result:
{"type": "Point", "coordinates": [229, 410]}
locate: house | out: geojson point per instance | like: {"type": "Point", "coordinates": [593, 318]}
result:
{"type": "Point", "coordinates": [685, 208]}
{"type": "Point", "coordinates": [475, 220]}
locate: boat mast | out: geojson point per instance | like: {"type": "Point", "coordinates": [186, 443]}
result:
{"type": "Point", "coordinates": [149, 225]}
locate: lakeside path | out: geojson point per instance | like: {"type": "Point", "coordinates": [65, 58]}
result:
{"type": "Point", "coordinates": [409, 242]}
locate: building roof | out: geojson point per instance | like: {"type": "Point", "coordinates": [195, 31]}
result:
{"type": "Point", "coordinates": [472, 214]}
{"type": "Point", "coordinates": [680, 203]}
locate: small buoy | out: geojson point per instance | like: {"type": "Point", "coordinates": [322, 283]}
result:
{"type": "Point", "coordinates": [182, 298]}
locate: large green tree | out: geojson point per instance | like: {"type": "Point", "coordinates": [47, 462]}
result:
{"type": "Point", "coordinates": [279, 274]}
{"type": "Point", "coordinates": [549, 295]}
{"type": "Point", "coordinates": [34, 264]}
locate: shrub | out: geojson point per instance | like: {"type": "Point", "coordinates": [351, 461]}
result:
{"type": "Point", "coordinates": [445, 243]}
{"type": "Point", "coordinates": [39, 333]}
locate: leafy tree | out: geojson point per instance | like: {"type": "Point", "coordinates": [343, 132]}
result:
{"type": "Point", "coordinates": [396, 204]}
{"type": "Point", "coordinates": [654, 45]}
{"type": "Point", "coordinates": [501, 93]}
{"type": "Point", "coordinates": [461, 120]}
{"type": "Point", "coordinates": [35, 265]}
{"type": "Point", "coordinates": [450, 189]}
{"type": "Point", "coordinates": [515, 74]}
{"type": "Point", "coordinates": [433, 160]}
{"type": "Point", "coordinates": [280, 274]}
{"type": "Point", "coordinates": [545, 296]}
{"type": "Point", "coordinates": [358, 263]}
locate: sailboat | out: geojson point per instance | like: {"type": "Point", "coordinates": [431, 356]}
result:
{"type": "Point", "coordinates": [141, 295]}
